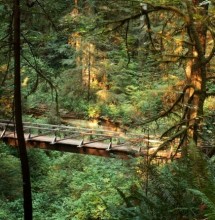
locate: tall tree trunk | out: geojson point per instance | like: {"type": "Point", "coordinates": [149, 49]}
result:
{"type": "Point", "coordinates": [196, 70]}
{"type": "Point", "coordinates": [18, 116]}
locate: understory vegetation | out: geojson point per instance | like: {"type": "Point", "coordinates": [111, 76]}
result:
{"type": "Point", "coordinates": [71, 186]}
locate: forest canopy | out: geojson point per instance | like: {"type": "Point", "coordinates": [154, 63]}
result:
{"type": "Point", "coordinates": [140, 67]}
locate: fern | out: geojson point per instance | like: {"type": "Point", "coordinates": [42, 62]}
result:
{"type": "Point", "coordinates": [176, 190]}
{"type": "Point", "coordinates": [210, 205]}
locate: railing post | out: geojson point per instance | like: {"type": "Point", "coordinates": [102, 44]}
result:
{"type": "Point", "coordinates": [81, 144]}
{"type": "Point", "coordinates": [55, 137]}
{"type": "Point", "coordinates": [91, 135]}
{"type": "Point", "coordinates": [29, 134]}
{"type": "Point", "coordinates": [3, 133]}
{"type": "Point", "coordinates": [110, 145]}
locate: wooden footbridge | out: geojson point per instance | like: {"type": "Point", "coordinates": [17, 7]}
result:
{"type": "Point", "coordinates": [98, 142]}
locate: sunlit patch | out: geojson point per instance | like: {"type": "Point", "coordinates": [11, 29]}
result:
{"type": "Point", "coordinates": [25, 81]}
{"type": "Point", "coordinates": [209, 104]}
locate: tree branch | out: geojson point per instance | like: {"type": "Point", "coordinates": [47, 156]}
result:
{"type": "Point", "coordinates": [166, 113]}
{"type": "Point", "coordinates": [52, 86]}
{"type": "Point", "coordinates": [170, 139]}
{"type": "Point", "coordinates": [193, 30]}
{"type": "Point", "coordinates": [148, 11]}
{"type": "Point", "coordinates": [148, 24]}
{"type": "Point", "coordinates": [173, 127]}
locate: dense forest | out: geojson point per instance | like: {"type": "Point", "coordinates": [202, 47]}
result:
{"type": "Point", "coordinates": [131, 66]}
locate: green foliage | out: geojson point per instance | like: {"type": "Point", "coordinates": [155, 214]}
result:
{"type": "Point", "coordinates": [10, 184]}
{"type": "Point", "coordinates": [130, 81]}
{"type": "Point", "coordinates": [86, 187]}
{"type": "Point", "coordinates": [76, 186]}
{"type": "Point", "coordinates": [10, 173]}
{"type": "Point", "coordinates": [182, 189]}
{"type": "Point", "coordinates": [208, 204]}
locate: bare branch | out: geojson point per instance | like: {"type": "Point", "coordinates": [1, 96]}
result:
{"type": "Point", "coordinates": [169, 140]}
{"type": "Point", "coordinates": [148, 11]}
{"type": "Point", "coordinates": [179, 145]}
{"type": "Point", "coordinates": [166, 8]}
{"type": "Point", "coordinates": [173, 127]}
{"type": "Point", "coordinates": [169, 111]}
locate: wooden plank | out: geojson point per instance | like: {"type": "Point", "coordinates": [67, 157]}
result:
{"type": "Point", "coordinates": [71, 145]}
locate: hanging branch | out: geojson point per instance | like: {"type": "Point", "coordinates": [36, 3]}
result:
{"type": "Point", "coordinates": [146, 12]}
{"type": "Point", "coordinates": [184, 135]}
{"type": "Point", "coordinates": [167, 132]}
{"type": "Point", "coordinates": [169, 140]}
{"type": "Point", "coordinates": [153, 9]}
{"type": "Point", "coordinates": [52, 86]}
{"type": "Point", "coordinates": [148, 24]}
{"type": "Point", "coordinates": [40, 73]}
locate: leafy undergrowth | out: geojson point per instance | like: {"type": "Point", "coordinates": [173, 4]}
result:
{"type": "Point", "coordinates": [68, 186]}
{"type": "Point", "coordinates": [183, 189]}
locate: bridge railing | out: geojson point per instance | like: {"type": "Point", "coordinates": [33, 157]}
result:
{"type": "Point", "coordinates": [86, 135]}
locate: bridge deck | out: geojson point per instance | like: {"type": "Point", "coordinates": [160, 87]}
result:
{"type": "Point", "coordinates": [81, 140]}
{"type": "Point", "coordinates": [74, 145]}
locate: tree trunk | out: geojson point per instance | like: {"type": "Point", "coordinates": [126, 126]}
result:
{"type": "Point", "coordinates": [18, 116]}
{"type": "Point", "coordinates": [195, 71]}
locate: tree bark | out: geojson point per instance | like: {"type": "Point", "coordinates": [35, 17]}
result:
{"type": "Point", "coordinates": [196, 71]}
{"type": "Point", "coordinates": [27, 205]}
